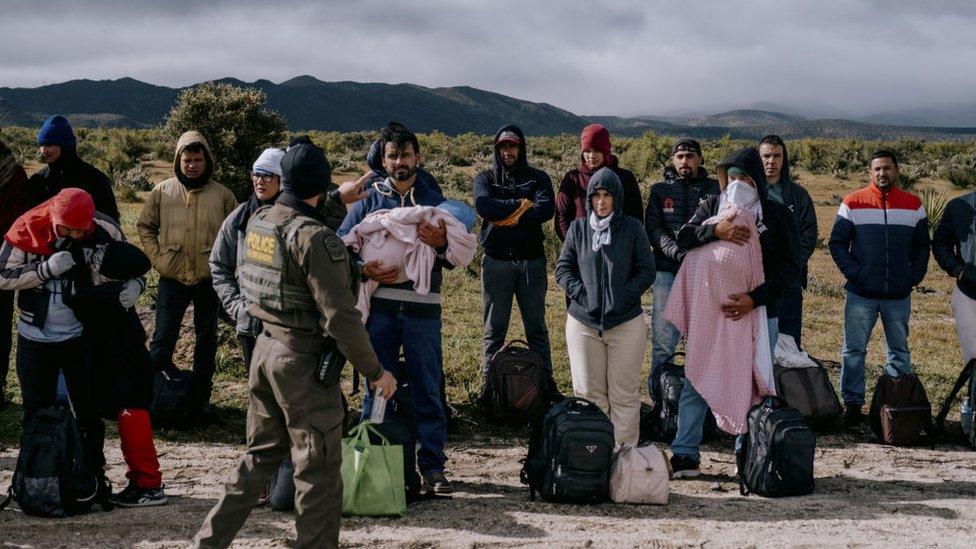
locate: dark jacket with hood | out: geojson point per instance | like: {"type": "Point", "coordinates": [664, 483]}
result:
{"type": "Point", "coordinates": [954, 242]}
{"type": "Point", "coordinates": [669, 206]}
{"type": "Point", "coordinates": [798, 201]}
{"type": "Point", "coordinates": [571, 198]}
{"type": "Point", "coordinates": [605, 286]}
{"type": "Point", "coordinates": [498, 193]}
{"type": "Point", "coordinates": [374, 159]}
{"type": "Point", "coordinates": [778, 238]}
{"type": "Point", "coordinates": [71, 171]}
{"type": "Point", "coordinates": [15, 191]}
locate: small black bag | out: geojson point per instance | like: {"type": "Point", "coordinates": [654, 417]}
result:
{"type": "Point", "coordinates": [776, 458]}
{"type": "Point", "coordinates": [515, 387]}
{"type": "Point", "coordinates": [399, 425]}
{"type": "Point", "coordinates": [52, 478]}
{"type": "Point", "coordinates": [809, 390]}
{"type": "Point", "coordinates": [175, 397]}
{"type": "Point", "coordinates": [901, 414]}
{"type": "Point", "coordinates": [570, 453]}
{"type": "Point", "coordinates": [661, 423]}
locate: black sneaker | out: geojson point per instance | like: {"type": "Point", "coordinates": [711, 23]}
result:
{"type": "Point", "coordinates": [133, 496]}
{"type": "Point", "coordinates": [853, 416]}
{"type": "Point", "coordinates": [437, 483]}
{"type": "Point", "coordinates": [684, 467]}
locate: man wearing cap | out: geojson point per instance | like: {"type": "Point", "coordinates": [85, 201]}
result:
{"type": "Point", "coordinates": [513, 200]}
{"type": "Point", "coordinates": [226, 256]}
{"type": "Point", "coordinates": [399, 317]}
{"type": "Point", "coordinates": [298, 282]}
{"type": "Point", "coordinates": [177, 227]}
{"type": "Point", "coordinates": [783, 189]}
{"type": "Point", "coordinates": [671, 204]}
{"type": "Point", "coordinates": [57, 147]}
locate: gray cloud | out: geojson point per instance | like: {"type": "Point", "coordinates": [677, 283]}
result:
{"type": "Point", "coordinates": [592, 58]}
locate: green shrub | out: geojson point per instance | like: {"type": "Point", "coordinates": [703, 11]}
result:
{"type": "Point", "coordinates": [962, 178]}
{"type": "Point", "coordinates": [934, 203]}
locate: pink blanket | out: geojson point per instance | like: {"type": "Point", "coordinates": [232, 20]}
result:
{"type": "Point", "coordinates": [390, 236]}
{"type": "Point", "coordinates": [724, 357]}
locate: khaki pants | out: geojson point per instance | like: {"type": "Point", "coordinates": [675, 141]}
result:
{"type": "Point", "coordinates": [607, 371]}
{"type": "Point", "coordinates": [287, 410]}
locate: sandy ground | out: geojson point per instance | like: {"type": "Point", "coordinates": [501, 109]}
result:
{"type": "Point", "coordinates": [867, 495]}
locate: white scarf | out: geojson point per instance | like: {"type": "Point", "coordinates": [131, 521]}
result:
{"type": "Point", "coordinates": [743, 195]}
{"type": "Point", "coordinates": [601, 230]}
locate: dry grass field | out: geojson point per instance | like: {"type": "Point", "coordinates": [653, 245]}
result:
{"type": "Point", "coordinates": [867, 495]}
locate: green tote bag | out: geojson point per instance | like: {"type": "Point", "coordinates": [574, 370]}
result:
{"type": "Point", "coordinates": [372, 475]}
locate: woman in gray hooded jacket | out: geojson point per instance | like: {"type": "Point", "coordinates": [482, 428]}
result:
{"type": "Point", "coordinates": [605, 267]}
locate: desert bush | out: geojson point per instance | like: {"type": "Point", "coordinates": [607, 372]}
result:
{"type": "Point", "coordinates": [130, 182]}
{"type": "Point", "coordinates": [236, 122]}
{"type": "Point", "coordinates": [961, 178]}
{"type": "Point", "coordinates": [934, 203]}
{"type": "Point", "coordinates": [647, 156]}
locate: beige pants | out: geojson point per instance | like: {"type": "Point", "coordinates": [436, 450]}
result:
{"type": "Point", "coordinates": [607, 371]}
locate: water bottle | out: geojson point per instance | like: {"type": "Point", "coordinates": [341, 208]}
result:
{"type": "Point", "coordinates": [966, 419]}
{"type": "Point", "coordinates": [378, 412]}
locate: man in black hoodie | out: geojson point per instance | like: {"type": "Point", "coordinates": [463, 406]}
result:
{"type": "Point", "coordinates": [57, 144]}
{"type": "Point", "coordinates": [672, 201]}
{"type": "Point", "coordinates": [782, 189]}
{"type": "Point", "coordinates": [514, 200]}
{"type": "Point", "coordinates": [780, 247]}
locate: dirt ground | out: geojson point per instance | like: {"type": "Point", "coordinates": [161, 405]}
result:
{"type": "Point", "coordinates": [867, 496]}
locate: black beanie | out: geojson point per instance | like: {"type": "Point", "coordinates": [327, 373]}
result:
{"type": "Point", "coordinates": [121, 261]}
{"type": "Point", "coordinates": [305, 172]}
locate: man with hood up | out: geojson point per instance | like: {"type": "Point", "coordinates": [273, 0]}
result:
{"type": "Point", "coordinates": [57, 146]}
{"type": "Point", "coordinates": [670, 205]}
{"type": "Point", "coordinates": [780, 249]}
{"type": "Point", "coordinates": [605, 268]}
{"type": "Point", "coordinates": [597, 153]}
{"type": "Point", "coordinates": [514, 200]}
{"type": "Point", "coordinates": [15, 199]}
{"type": "Point", "coordinates": [782, 189]}
{"type": "Point", "coordinates": [177, 228]}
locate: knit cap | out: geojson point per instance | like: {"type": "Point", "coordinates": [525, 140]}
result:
{"type": "Point", "coordinates": [57, 131]}
{"type": "Point", "coordinates": [269, 163]}
{"type": "Point", "coordinates": [305, 172]}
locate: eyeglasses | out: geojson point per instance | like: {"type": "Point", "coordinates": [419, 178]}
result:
{"type": "Point", "coordinates": [267, 178]}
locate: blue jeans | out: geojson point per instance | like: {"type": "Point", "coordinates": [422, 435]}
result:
{"type": "Point", "coordinates": [692, 410]}
{"type": "Point", "coordinates": [420, 339]}
{"type": "Point", "coordinates": [664, 336]}
{"type": "Point", "coordinates": [860, 316]}
{"type": "Point", "coordinates": [527, 281]}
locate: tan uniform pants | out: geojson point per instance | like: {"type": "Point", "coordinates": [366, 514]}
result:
{"type": "Point", "coordinates": [287, 409]}
{"type": "Point", "coordinates": [607, 371]}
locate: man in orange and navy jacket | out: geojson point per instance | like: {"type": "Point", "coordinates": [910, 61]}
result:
{"type": "Point", "coordinates": [880, 242]}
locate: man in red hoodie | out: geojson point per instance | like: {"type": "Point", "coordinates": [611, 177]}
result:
{"type": "Point", "coordinates": [597, 153]}
{"type": "Point", "coordinates": [15, 199]}
{"type": "Point", "coordinates": [46, 254]}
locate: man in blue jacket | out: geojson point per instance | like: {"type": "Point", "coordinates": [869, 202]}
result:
{"type": "Point", "coordinates": [954, 248]}
{"type": "Point", "coordinates": [880, 242]}
{"type": "Point", "coordinates": [514, 200]}
{"type": "Point", "coordinates": [399, 317]}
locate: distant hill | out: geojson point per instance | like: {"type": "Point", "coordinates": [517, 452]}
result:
{"type": "Point", "coordinates": [311, 104]}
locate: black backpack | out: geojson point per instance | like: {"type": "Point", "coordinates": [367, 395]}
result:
{"type": "Point", "coordinates": [570, 454]}
{"type": "Point", "coordinates": [52, 478]}
{"type": "Point", "coordinates": [901, 414]}
{"type": "Point", "coordinates": [660, 424]}
{"type": "Point", "coordinates": [174, 397]}
{"type": "Point", "coordinates": [967, 416]}
{"type": "Point", "coordinates": [809, 390]}
{"type": "Point", "coordinates": [515, 385]}
{"type": "Point", "coordinates": [777, 452]}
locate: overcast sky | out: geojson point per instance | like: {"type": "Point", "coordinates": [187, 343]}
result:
{"type": "Point", "coordinates": [596, 57]}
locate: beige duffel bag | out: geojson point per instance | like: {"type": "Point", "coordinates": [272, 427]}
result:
{"type": "Point", "coordinates": [640, 475]}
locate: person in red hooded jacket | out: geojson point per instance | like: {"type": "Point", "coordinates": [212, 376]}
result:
{"type": "Point", "coordinates": [596, 153]}
{"type": "Point", "coordinates": [15, 199]}
{"type": "Point", "coordinates": [43, 256]}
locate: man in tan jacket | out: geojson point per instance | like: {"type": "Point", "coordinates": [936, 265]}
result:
{"type": "Point", "coordinates": [177, 227]}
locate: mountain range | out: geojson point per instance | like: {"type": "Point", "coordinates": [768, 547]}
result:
{"type": "Point", "coordinates": [307, 103]}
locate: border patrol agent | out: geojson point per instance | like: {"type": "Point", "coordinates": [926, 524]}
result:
{"type": "Point", "coordinates": [296, 276]}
